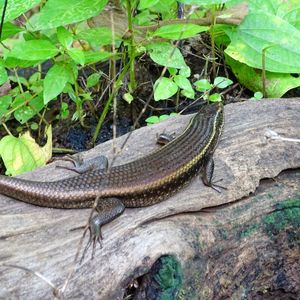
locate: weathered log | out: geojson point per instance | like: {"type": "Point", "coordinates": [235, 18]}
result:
{"type": "Point", "coordinates": [243, 242]}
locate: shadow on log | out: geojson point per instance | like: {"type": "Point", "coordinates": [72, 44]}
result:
{"type": "Point", "coordinates": [242, 243]}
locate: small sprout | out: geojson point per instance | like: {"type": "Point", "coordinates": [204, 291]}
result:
{"type": "Point", "coordinates": [202, 85]}
{"type": "Point", "coordinates": [128, 97]}
{"type": "Point", "coordinates": [215, 97]}
{"type": "Point", "coordinates": [222, 82]}
{"type": "Point", "coordinates": [257, 96]}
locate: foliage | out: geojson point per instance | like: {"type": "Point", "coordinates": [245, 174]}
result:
{"type": "Point", "coordinates": [259, 51]}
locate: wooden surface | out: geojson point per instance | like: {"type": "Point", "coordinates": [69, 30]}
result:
{"type": "Point", "coordinates": [195, 223]}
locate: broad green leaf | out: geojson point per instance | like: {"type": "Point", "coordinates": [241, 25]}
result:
{"type": "Point", "coordinates": [33, 50]}
{"type": "Point", "coordinates": [16, 8]}
{"type": "Point", "coordinates": [164, 88]}
{"type": "Point", "coordinates": [64, 36]}
{"type": "Point", "coordinates": [277, 84]}
{"type": "Point", "coordinates": [99, 36]}
{"type": "Point", "coordinates": [23, 154]}
{"type": "Point", "coordinates": [166, 55]}
{"type": "Point", "coordinates": [27, 106]}
{"type": "Point", "coordinates": [3, 75]}
{"type": "Point", "coordinates": [11, 62]}
{"type": "Point", "coordinates": [185, 85]}
{"type": "Point", "coordinates": [55, 81]}
{"type": "Point", "coordinates": [77, 55]}
{"type": "Point", "coordinates": [202, 85]}
{"type": "Point", "coordinates": [166, 8]}
{"type": "Point", "coordinates": [144, 18]}
{"type": "Point", "coordinates": [222, 82]}
{"type": "Point", "coordinates": [267, 6]}
{"type": "Point", "coordinates": [263, 31]}
{"type": "Point", "coordinates": [143, 4]}
{"type": "Point", "coordinates": [58, 13]}
{"type": "Point", "coordinates": [179, 31]}
{"type": "Point", "coordinates": [92, 80]}
{"type": "Point", "coordinates": [91, 57]}
{"type": "Point", "coordinates": [290, 11]}
{"type": "Point", "coordinates": [5, 102]}
{"type": "Point", "coordinates": [9, 30]}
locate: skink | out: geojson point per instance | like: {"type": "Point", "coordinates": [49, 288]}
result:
{"type": "Point", "coordinates": [142, 182]}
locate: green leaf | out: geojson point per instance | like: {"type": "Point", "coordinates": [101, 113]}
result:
{"type": "Point", "coordinates": [11, 62]}
{"type": "Point", "coordinates": [179, 31]}
{"type": "Point", "coordinates": [64, 111]}
{"type": "Point", "coordinates": [258, 95]}
{"type": "Point", "coordinates": [266, 32]}
{"type": "Point", "coordinates": [23, 154]}
{"type": "Point", "coordinates": [166, 55]}
{"type": "Point", "coordinates": [55, 81]}
{"type": "Point", "coordinates": [202, 85]}
{"type": "Point", "coordinates": [33, 50]}
{"type": "Point", "coordinates": [152, 120]}
{"type": "Point", "coordinates": [27, 106]}
{"type": "Point", "coordinates": [9, 30]}
{"type": "Point", "coordinates": [18, 79]}
{"type": "Point", "coordinates": [92, 80]}
{"type": "Point", "coordinates": [92, 57]}
{"type": "Point", "coordinates": [215, 97]}
{"type": "Point", "coordinates": [34, 78]}
{"type": "Point", "coordinates": [58, 13]}
{"type": "Point", "coordinates": [143, 4]}
{"type": "Point", "coordinates": [128, 97]}
{"type": "Point", "coordinates": [64, 36]}
{"type": "Point", "coordinates": [16, 8]}
{"type": "Point", "coordinates": [186, 72]}
{"type": "Point", "coordinates": [172, 71]}
{"type": "Point", "coordinates": [277, 84]}
{"type": "Point", "coordinates": [203, 2]}
{"type": "Point", "coordinates": [188, 93]}
{"type": "Point", "coordinates": [183, 82]}
{"type": "Point", "coordinates": [222, 82]}
{"type": "Point", "coordinates": [3, 75]}
{"type": "Point", "coordinates": [77, 55]}
{"type": "Point", "coordinates": [164, 88]}
{"type": "Point", "coordinates": [5, 102]}
{"type": "Point", "coordinates": [144, 18]}
{"type": "Point", "coordinates": [99, 36]}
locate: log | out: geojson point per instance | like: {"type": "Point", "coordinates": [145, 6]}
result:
{"type": "Point", "coordinates": [241, 243]}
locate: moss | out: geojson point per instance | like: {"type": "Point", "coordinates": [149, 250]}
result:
{"type": "Point", "coordinates": [169, 277]}
{"type": "Point", "coordinates": [287, 214]}
{"type": "Point", "coordinates": [248, 230]}
{"type": "Point", "coordinates": [223, 233]}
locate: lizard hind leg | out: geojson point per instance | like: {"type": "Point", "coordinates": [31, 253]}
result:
{"type": "Point", "coordinates": [107, 209]}
{"type": "Point", "coordinates": [207, 175]}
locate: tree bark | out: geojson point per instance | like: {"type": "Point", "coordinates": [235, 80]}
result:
{"type": "Point", "coordinates": [241, 243]}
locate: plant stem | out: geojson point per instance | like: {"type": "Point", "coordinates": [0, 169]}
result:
{"type": "Point", "coordinates": [211, 32]}
{"type": "Point", "coordinates": [107, 105]}
{"type": "Point", "coordinates": [131, 48]}
{"type": "Point", "coordinates": [263, 71]}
